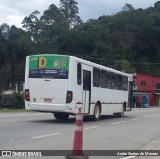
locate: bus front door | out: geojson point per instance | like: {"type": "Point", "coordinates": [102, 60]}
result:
{"type": "Point", "coordinates": [86, 91]}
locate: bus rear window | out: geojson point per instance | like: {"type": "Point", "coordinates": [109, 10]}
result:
{"type": "Point", "coordinates": [49, 67]}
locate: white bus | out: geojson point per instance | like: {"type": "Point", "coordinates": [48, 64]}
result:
{"type": "Point", "coordinates": [62, 84]}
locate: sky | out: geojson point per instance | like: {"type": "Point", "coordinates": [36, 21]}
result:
{"type": "Point", "coordinates": [13, 12]}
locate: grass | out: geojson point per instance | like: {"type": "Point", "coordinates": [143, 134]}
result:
{"type": "Point", "coordinates": [4, 110]}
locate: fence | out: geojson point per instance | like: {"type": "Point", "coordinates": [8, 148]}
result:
{"type": "Point", "coordinates": [7, 99]}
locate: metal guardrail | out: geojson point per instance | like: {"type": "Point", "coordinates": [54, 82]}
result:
{"type": "Point", "coordinates": [7, 99]}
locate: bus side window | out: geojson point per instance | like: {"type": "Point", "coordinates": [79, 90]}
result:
{"type": "Point", "coordinates": [104, 79]}
{"type": "Point", "coordinates": [125, 83]}
{"type": "Point", "coordinates": [96, 77]}
{"type": "Point", "coordinates": [119, 82]}
{"type": "Point", "coordinates": [111, 80]}
{"type": "Point", "coordinates": [79, 74]}
{"type": "Point", "coordinates": [116, 81]}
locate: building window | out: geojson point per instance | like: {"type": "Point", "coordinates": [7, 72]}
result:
{"type": "Point", "coordinates": [143, 83]}
{"type": "Point", "coordinates": [157, 86]}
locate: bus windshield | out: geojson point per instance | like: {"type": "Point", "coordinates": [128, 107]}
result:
{"type": "Point", "coordinates": [47, 66]}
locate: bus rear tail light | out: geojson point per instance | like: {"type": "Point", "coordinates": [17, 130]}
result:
{"type": "Point", "coordinates": [27, 96]}
{"type": "Point", "coordinates": [69, 97]}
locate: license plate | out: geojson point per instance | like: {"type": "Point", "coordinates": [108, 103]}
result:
{"type": "Point", "coordinates": [48, 100]}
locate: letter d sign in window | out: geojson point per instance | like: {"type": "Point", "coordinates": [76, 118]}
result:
{"type": "Point", "coordinates": [42, 62]}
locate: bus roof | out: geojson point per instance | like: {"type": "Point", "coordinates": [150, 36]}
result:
{"type": "Point", "coordinates": [100, 66]}
{"type": "Point", "coordinates": [88, 63]}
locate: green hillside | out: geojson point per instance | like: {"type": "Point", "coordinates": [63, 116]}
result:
{"type": "Point", "coordinates": [128, 40]}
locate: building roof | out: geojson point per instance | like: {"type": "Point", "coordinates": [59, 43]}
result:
{"type": "Point", "coordinates": [134, 74]}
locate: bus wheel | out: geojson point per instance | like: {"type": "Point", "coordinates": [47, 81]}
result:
{"type": "Point", "coordinates": [97, 112]}
{"type": "Point", "coordinates": [120, 114]}
{"type": "Point", "coordinates": [61, 116]}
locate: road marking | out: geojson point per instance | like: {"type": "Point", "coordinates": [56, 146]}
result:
{"type": "Point", "coordinates": [136, 119]}
{"type": "Point", "coordinates": [119, 122]}
{"type": "Point", "coordinates": [17, 115]}
{"type": "Point", "coordinates": [128, 157]}
{"type": "Point", "coordinates": [149, 116]}
{"type": "Point", "coordinates": [91, 128]}
{"type": "Point", "coordinates": [36, 137]}
{"type": "Point", "coordinates": [156, 115]}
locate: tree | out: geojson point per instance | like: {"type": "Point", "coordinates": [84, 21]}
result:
{"type": "Point", "coordinates": [125, 66]}
{"type": "Point", "coordinates": [157, 5]}
{"type": "Point", "coordinates": [32, 25]}
{"type": "Point", "coordinates": [127, 7]}
{"type": "Point", "coordinates": [4, 31]}
{"type": "Point", "coordinates": [70, 12]}
{"type": "Point", "coordinates": [4, 35]}
{"type": "Point", "coordinates": [52, 25]}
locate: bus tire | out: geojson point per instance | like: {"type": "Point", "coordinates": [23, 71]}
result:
{"type": "Point", "coordinates": [61, 116]}
{"type": "Point", "coordinates": [120, 114]}
{"type": "Point", "coordinates": [97, 111]}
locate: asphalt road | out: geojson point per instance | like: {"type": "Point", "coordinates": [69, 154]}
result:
{"type": "Point", "coordinates": [137, 130]}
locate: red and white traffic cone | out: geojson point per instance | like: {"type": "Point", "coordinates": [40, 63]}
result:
{"type": "Point", "coordinates": [77, 151]}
